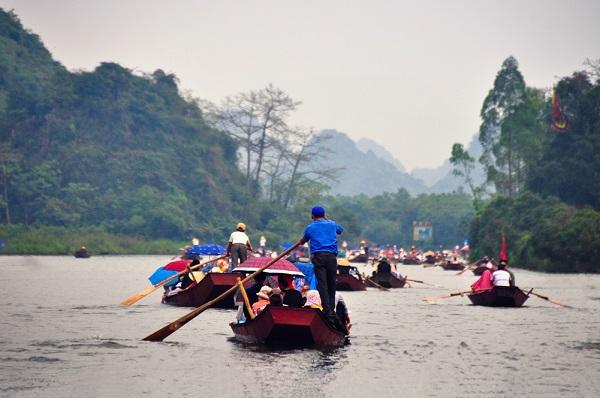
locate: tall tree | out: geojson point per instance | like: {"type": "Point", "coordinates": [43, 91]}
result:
{"type": "Point", "coordinates": [497, 138]}
{"type": "Point", "coordinates": [463, 165]}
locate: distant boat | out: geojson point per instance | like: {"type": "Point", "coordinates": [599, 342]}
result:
{"type": "Point", "coordinates": [82, 253]}
{"type": "Point", "coordinates": [348, 278]}
{"type": "Point", "coordinates": [387, 280]}
{"type": "Point", "coordinates": [298, 327]}
{"type": "Point", "coordinates": [500, 296]}
{"type": "Point", "coordinates": [453, 266]}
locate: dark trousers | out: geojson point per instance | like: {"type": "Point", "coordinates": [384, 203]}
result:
{"type": "Point", "coordinates": [239, 254]}
{"type": "Point", "coordinates": [325, 271]}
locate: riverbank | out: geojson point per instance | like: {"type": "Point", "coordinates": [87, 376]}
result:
{"type": "Point", "coordinates": [20, 239]}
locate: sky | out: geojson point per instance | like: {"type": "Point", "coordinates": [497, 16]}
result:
{"type": "Point", "coordinates": [411, 75]}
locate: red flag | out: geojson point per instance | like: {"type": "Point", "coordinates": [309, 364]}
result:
{"type": "Point", "coordinates": [560, 122]}
{"type": "Point", "coordinates": [504, 250]}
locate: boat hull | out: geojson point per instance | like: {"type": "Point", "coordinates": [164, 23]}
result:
{"type": "Point", "coordinates": [500, 296]}
{"type": "Point", "coordinates": [298, 327]}
{"type": "Point", "coordinates": [211, 286]}
{"type": "Point", "coordinates": [453, 267]}
{"type": "Point", "coordinates": [411, 261]}
{"type": "Point", "coordinates": [388, 281]}
{"type": "Point", "coordinates": [346, 282]}
{"type": "Point", "coordinates": [361, 258]}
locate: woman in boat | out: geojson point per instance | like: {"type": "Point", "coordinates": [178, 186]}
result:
{"type": "Point", "coordinates": [383, 267]}
{"type": "Point", "coordinates": [238, 245]}
{"type": "Point", "coordinates": [502, 277]}
{"type": "Point", "coordinates": [263, 299]}
{"type": "Point", "coordinates": [342, 312]}
{"type": "Point", "coordinates": [485, 280]}
{"type": "Point", "coordinates": [313, 300]}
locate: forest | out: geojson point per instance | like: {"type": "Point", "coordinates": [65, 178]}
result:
{"type": "Point", "coordinates": [125, 162]}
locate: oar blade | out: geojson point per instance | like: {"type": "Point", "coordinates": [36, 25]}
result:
{"type": "Point", "coordinates": [134, 299]}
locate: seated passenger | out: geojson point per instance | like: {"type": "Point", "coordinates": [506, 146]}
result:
{"type": "Point", "coordinates": [263, 299]}
{"type": "Point", "coordinates": [342, 312]}
{"type": "Point", "coordinates": [313, 300]}
{"type": "Point", "coordinates": [291, 297]}
{"type": "Point", "coordinates": [502, 277]}
{"type": "Point", "coordinates": [276, 300]}
{"type": "Point", "coordinates": [384, 266]}
{"type": "Point", "coordinates": [485, 280]}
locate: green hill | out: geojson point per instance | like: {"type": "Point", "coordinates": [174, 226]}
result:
{"type": "Point", "coordinates": [110, 148]}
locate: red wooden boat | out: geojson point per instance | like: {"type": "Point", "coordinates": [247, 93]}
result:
{"type": "Point", "coordinates": [500, 296]}
{"type": "Point", "coordinates": [347, 282]}
{"type": "Point", "coordinates": [388, 280]}
{"type": "Point", "coordinates": [212, 285]}
{"type": "Point", "coordinates": [300, 327]}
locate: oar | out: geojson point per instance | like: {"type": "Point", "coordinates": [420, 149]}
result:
{"type": "Point", "coordinates": [424, 283]}
{"type": "Point", "coordinates": [172, 327]}
{"type": "Point", "coordinates": [467, 267]}
{"type": "Point", "coordinates": [375, 284]}
{"type": "Point", "coordinates": [548, 299]}
{"type": "Point", "coordinates": [430, 299]}
{"type": "Point", "coordinates": [151, 289]}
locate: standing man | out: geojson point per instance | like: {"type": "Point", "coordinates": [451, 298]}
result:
{"type": "Point", "coordinates": [322, 237]}
{"type": "Point", "coordinates": [238, 245]}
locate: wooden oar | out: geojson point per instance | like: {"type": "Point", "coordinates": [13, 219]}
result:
{"type": "Point", "coordinates": [467, 267]}
{"type": "Point", "coordinates": [151, 289]}
{"type": "Point", "coordinates": [375, 284]}
{"type": "Point", "coordinates": [172, 327]}
{"type": "Point", "coordinates": [430, 299]}
{"type": "Point", "coordinates": [424, 283]}
{"type": "Point", "coordinates": [548, 299]}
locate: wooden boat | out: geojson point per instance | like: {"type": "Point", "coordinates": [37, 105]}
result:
{"type": "Point", "coordinates": [500, 296]}
{"type": "Point", "coordinates": [361, 258]}
{"type": "Point", "coordinates": [388, 280]}
{"type": "Point", "coordinates": [212, 285]}
{"type": "Point", "coordinates": [449, 266]}
{"type": "Point", "coordinates": [347, 282]}
{"type": "Point", "coordinates": [299, 327]}
{"type": "Point", "coordinates": [82, 254]}
{"type": "Point", "coordinates": [411, 260]}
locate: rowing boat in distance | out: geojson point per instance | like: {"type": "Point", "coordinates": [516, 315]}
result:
{"type": "Point", "coordinates": [500, 296]}
{"type": "Point", "coordinates": [297, 327]}
{"type": "Point", "coordinates": [387, 280]}
{"type": "Point", "coordinates": [348, 278]}
{"type": "Point", "coordinates": [452, 266]}
{"type": "Point", "coordinates": [212, 285]}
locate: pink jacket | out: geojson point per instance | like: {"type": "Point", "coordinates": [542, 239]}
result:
{"type": "Point", "coordinates": [484, 282]}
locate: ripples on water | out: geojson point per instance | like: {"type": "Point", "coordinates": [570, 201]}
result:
{"type": "Point", "coordinates": [63, 334]}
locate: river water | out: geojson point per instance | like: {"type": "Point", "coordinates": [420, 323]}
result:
{"type": "Point", "coordinates": [62, 333]}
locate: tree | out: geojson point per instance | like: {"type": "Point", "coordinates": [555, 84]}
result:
{"type": "Point", "coordinates": [497, 138]}
{"type": "Point", "coordinates": [463, 165]}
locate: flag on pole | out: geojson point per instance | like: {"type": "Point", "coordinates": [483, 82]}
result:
{"type": "Point", "coordinates": [503, 250]}
{"type": "Point", "coordinates": [559, 122]}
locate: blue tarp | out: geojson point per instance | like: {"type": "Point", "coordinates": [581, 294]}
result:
{"type": "Point", "coordinates": [161, 274]}
{"type": "Point", "coordinates": [309, 274]}
{"type": "Point", "coordinates": [207, 250]}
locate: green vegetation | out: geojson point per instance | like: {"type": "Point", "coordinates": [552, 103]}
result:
{"type": "Point", "coordinates": [547, 183]}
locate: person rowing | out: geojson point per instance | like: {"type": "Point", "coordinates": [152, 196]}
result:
{"type": "Point", "coordinates": [321, 235]}
{"type": "Point", "coordinates": [503, 277]}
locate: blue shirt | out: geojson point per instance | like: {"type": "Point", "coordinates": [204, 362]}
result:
{"type": "Point", "coordinates": [322, 236]}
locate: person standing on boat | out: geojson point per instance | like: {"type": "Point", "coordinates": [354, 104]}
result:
{"type": "Point", "coordinates": [238, 245]}
{"type": "Point", "coordinates": [321, 235]}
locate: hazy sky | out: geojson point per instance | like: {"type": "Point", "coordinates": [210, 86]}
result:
{"type": "Point", "coordinates": [411, 75]}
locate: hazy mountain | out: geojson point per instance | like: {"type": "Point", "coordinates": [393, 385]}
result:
{"type": "Point", "coordinates": [365, 172]}
{"type": "Point", "coordinates": [367, 144]}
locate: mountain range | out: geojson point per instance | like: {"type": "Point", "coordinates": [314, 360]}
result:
{"type": "Point", "coordinates": [369, 168]}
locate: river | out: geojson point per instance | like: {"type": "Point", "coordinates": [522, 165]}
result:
{"type": "Point", "coordinates": [62, 333]}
